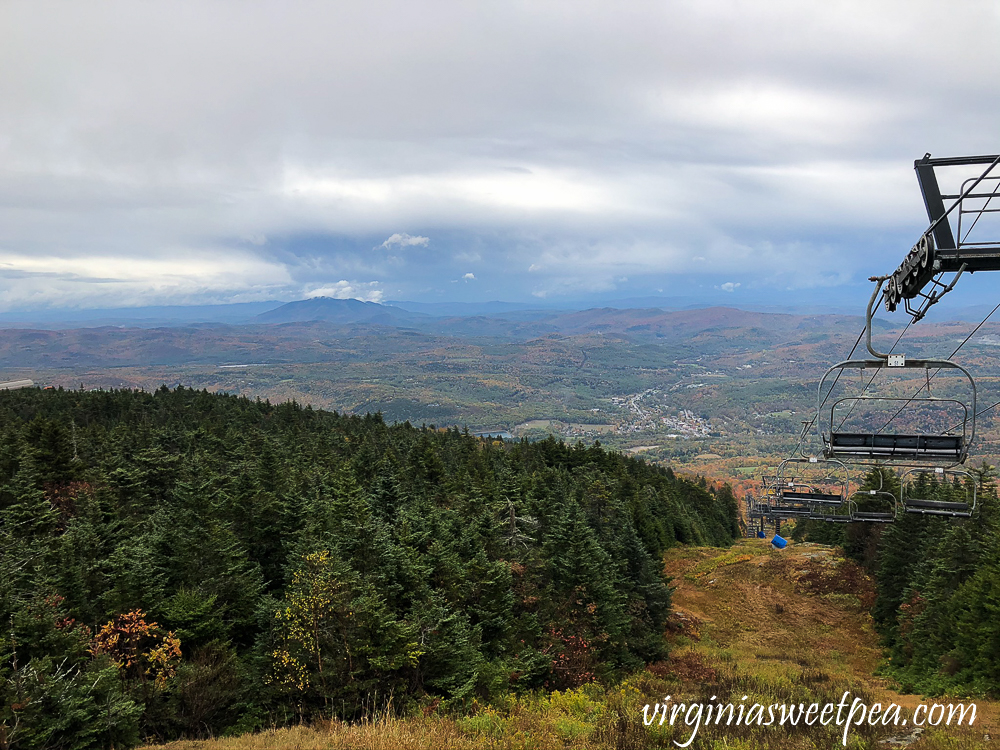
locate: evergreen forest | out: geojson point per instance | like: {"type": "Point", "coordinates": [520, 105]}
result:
{"type": "Point", "coordinates": [183, 564]}
{"type": "Point", "coordinates": [937, 583]}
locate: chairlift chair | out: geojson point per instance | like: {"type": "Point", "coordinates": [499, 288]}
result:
{"type": "Point", "coordinates": [791, 511]}
{"type": "Point", "coordinates": [769, 485]}
{"type": "Point", "coordinates": [819, 515]}
{"type": "Point", "coordinates": [873, 516]}
{"type": "Point", "coordinates": [753, 509]}
{"type": "Point", "coordinates": [765, 502]}
{"type": "Point", "coordinates": [947, 508]}
{"type": "Point", "coordinates": [830, 513]}
{"type": "Point", "coordinates": [906, 448]}
{"type": "Point", "coordinates": [809, 494]}
{"type": "Point", "coordinates": [828, 490]}
{"type": "Point", "coordinates": [868, 447]}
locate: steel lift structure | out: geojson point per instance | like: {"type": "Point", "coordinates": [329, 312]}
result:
{"type": "Point", "coordinates": [963, 236]}
{"type": "Point", "coordinates": [960, 238]}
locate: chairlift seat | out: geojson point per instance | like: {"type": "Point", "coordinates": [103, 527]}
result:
{"type": "Point", "coordinates": [816, 498]}
{"type": "Point", "coordinates": [820, 516]}
{"type": "Point", "coordinates": [829, 518]}
{"type": "Point", "coordinates": [873, 517]}
{"type": "Point", "coordinates": [879, 445]}
{"type": "Point", "coordinates": [790, 512]}
{"type": "Point", "coordinates": [937, 508]}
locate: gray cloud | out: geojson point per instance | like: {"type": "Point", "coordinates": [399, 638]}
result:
{"type": "Point", "coordinates": [585, 141]}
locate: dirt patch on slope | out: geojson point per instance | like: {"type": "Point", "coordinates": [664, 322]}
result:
{"type": "Point", "coordinates": [801, 611]}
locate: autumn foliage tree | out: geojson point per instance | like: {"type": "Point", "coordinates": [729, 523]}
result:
{"type": "Point", "coordinates": [143, 654]}
{"type": "Point", "coordinates": [313, 626]}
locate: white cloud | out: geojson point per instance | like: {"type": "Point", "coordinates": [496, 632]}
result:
{"type": "Point", "coordinates": [469, 192]}
{"type": "Point", "coordinates": [729, 286]}
{"type": "Point", "coordinates": [574, 284]}
{"type": "Point", "coordinates": [768, 140]}
{"type": "Point", "coordinates": [469, 277]}
{"type": "Point", "coordinates": [773, 108]}
{"type": "Point", "coordinates": [185, 275]}
{"type": "Point", "coordinates": [405, 240]}
{"type": "Point", "coordinates": [364, 291]}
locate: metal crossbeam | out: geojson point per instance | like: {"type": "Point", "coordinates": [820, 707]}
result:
{"type": "Point", "coordinates": [946, 247]}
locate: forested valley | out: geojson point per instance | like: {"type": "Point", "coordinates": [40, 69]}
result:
{"type": "Point", "coordinates": [185, 564]}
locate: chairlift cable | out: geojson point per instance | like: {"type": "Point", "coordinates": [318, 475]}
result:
{"type": "Point", "coordinates": [931, 377]}
{"type": "Point", "coordinates": [973, 333]}
{"type": "Point", "coordinates": [978, 414]}
{"type": "Point", "coordinates": [808, 426]}
{"type": "Point", "coordinates": [870, 381]}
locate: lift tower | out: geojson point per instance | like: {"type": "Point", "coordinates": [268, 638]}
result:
{"type": "Point", "coordinates": [958, 239]}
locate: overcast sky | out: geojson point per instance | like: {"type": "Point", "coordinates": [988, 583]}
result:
{"type": "Point", "coordinates": [176, 153]}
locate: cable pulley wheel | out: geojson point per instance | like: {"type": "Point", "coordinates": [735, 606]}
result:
{"type": "Point", "coordinates": [924, 251]}
{"type": "Point", "coordinates": [895, 293]}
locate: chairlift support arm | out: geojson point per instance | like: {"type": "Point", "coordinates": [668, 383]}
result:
{"type": "Point", "coordinates": [942, 248]}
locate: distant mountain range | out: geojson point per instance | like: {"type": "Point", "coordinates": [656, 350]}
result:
{"type": "Point", "coordinates": [451, 318]}
{"type": "Point", "coordinates": [138, 317]}
{"type": "Point", "coordinates": [325, 330]}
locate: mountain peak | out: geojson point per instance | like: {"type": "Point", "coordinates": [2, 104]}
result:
{"type": "Point", "coordinates": [333, 310]}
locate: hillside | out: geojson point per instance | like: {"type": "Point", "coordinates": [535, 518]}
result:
{"type": "Point", "coordinates": [775, 626]}
{"type": "Point", "coordinates": [338, 311]}
{"type": "Point", "coordinates": [799, 615]}
{"type": "Point", "coordinates": [180, 563]}
{"type": "Point", "coordinates": [311, 330]}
